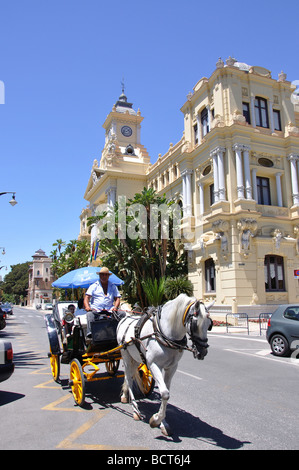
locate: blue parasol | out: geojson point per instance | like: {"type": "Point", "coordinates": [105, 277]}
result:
{"type": "Point", "coordinates": [83, 277]}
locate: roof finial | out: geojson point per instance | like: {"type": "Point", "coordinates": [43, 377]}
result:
{"type": "Point", "coordinates": [123, 86]}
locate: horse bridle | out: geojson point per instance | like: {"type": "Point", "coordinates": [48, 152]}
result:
{"type": "Point", "coordinates": [200, 346]}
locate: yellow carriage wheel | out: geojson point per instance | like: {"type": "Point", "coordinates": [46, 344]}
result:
{"type": "Point", "coordinates": [55, 366]}
{"type": "Point", "coordinates": [147, 380]}
{"type": "Point", "coordinates": [112, 366]}
{"type": "Point", "coordinates": [77, 382]}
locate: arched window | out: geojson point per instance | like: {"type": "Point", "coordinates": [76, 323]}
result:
{"type": "Point", "coordinates": [274, 273]}
{"type": "Point", "coordinates": [210, 277]}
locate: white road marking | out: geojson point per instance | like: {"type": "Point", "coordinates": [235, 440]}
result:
{"type": "Point", "coordinates": [189, 375]}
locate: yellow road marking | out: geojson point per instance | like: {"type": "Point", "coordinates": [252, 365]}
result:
{"type": "Point", "coordinates": [45, 385]}
{"type": "Point", "coordinates": [38, 372]}
{"type": "Point", "coordinates": [54, 405]}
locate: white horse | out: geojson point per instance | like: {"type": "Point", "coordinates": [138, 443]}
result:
{"type": "Point", "coordinates": [160, 344]}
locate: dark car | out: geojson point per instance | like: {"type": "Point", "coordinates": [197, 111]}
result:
{"type": "Point", "coordinates": [7, 307]}
{"type": "Point", "coordinates": [6, 360]}
{"type": "Point", "coordinates": [2, 319]}
{"type": "Point", "coordinates": [283, 330]}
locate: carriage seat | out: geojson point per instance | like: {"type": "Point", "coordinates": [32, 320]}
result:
{"type": "Point", "coordinates": [103, 332]}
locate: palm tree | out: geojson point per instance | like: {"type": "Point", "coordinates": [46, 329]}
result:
{"type": "Point", "coordinates": [141, 258]}
{"type": "Point", "coordinates": [59, 243]}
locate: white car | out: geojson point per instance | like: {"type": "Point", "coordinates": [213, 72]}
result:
{"type": "Point", "coordinates": [6, 360]}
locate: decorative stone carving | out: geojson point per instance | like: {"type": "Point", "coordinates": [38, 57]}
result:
{"type": "Point", "coordinates": [282, 77]}
{"type": "Point", "coordinates": [230, 61]}
{"type": "Point", "coordinates": [277, 236]}
{"type": "Point", "coordinates": [221, 227]}
{"type": "Point", "coordinates": [219, 63]}
{"type": "Point", "coordinates": [247, 228]}
{"type": "Point", "coordinates": [238, 117]}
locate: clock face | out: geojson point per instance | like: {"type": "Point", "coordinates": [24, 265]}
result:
{"type": "Point", "coordinates": [126, 131]}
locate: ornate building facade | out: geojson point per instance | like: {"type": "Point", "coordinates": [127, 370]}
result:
{"type": "Point", "coordinates": [235, 172]}
{"type": "Point", "coordinates": [40, 280]}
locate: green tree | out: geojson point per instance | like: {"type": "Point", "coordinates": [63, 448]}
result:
{"type": "Point", "coordinates": [67, 257]}
{"type": "Point", "coordinates": [15, 284]}
{"type": "Point", "coordinates": [132, 251]}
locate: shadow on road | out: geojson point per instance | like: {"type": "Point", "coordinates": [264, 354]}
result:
{"type": "Point", "coordinates": [8, 397]}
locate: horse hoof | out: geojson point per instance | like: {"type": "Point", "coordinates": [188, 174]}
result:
{"type": "Point", "coordinates": [124, 400]}
{"type": "Point", "coordinates": [153, 422]}
{"type": "Point", "coordinates": [136, 417]}
{"type": "Point", "coordinates": [165, 429]}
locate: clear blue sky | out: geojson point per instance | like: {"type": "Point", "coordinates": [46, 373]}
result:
{"type": "Point", "coordinates": [62, 62]}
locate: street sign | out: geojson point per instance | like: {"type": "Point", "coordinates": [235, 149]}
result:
{"type": "Point", "coordinates": [296, 273]}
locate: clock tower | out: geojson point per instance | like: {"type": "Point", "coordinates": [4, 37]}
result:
{"type": "Point", "coordinates": [124, 163]}
{"type": "Point", "coordinates": [122, 141]}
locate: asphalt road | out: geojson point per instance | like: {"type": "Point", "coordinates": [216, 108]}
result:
{"type": "Point", "coordinates": [240, 397]}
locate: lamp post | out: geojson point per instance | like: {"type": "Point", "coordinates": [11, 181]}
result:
{"type": "Point", "coordinates": [3, 252]}
{"type": "Point", "coordinates": [13, 201]}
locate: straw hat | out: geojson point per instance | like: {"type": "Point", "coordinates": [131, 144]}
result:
{"type": "Point", "coordinates": [104, 270]}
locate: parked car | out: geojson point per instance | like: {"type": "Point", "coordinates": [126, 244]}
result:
{"type": "Point", "coordinates": [6, 360]}
{"type": "Point", "coordinates": [7, 307]}
{"type": "Point", "coordinates": [2, 319]}
{"type": "Point", "coordinates": [48, 306]}
{"type": "Point", "coordinates": [283, 330]}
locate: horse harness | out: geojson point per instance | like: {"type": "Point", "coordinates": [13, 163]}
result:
{"type": "Point", "coordinates": [154, 314]}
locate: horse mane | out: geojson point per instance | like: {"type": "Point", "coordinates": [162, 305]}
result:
{"type": "Point", "coordinates": [175, 308]}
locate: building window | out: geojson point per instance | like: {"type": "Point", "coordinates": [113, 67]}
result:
{"type": "Point", "coordinates": [276, 119]}
{"type": "Point", "coordinates": [210, 275]}
{"type": "Point", "coordinates": [195, 134]}
{"type": "Point", "coordinates": [204, 116]}
{"type": "Point", "coordinates": [246, 112]}
{"type": "Point", "coordinates": [175, 171]}
{"type": "Point", "coordinates": [212, 195]}
{"type": "Point", "coordinates": [261, 112]}
{"type": "Point", "coordinates": [263, 191]}
{"type": "Point", "coordinates": [274, 273]}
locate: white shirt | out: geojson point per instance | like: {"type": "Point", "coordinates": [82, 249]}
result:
{"type": "Point", "coordinates": [100, 300]}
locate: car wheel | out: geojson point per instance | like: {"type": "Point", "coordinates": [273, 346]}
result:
{"type": "Point", "coordinates": [279, 345]}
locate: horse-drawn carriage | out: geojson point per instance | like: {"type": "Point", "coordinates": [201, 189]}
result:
{"type": "Point", "coordinates": [68, 345]}
{"type": "Point", "coordinates": [150, 346]}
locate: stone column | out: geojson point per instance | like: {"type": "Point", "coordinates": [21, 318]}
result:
{"type": "Point", "coordinates": [247, 172]}
{"type": "Point", "coordinates": [209, 118]}
{"type": "Point", "coordinates": [252, 111]}
{"type": "Point", "coordinates": [111, 195]}
{"type": "Point", "coordinates": [198, 129]}
{"type": "Point", "coordinates": [187, 192]}
{"type": "Point", "coordinates": [294, 177]}
{"type": "Point", "coordinates": [221, 178]}
{"type": "Point", "coordinates": [278, 189]}
{"type": "Point", "coordinates": [138, 133]}
{"type": "Point", "coordinates": [201, 199]}
{"type": "Point", "coordinates": [254, 184]}
{"type": "Point", "coordinates": [240, 184]}
{"type": "Point", "coordinates": [271, 116]}
{"type": "Point", "coordinates": [216, 179]}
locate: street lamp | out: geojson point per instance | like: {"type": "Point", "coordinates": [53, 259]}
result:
{"type": "Point", "coordinates": [13, 201]}
{"type": "Point", "coordinates": [3, 252]}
